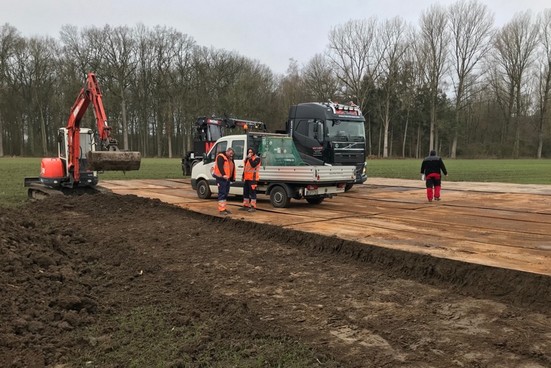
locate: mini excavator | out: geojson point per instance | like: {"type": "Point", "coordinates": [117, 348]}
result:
{"type": "Point", "coordinates": [82, 152]}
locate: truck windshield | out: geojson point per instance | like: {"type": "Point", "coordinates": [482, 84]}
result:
{"type": "Point", "coordinates": [345, 130]}
{"type": "Point", "coordinates": [215, 132]}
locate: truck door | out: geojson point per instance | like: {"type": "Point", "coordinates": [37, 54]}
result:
{"type": "Point", "coordinates": [238, 146]}
{"type": "Point", "coordinates": [308, 136]}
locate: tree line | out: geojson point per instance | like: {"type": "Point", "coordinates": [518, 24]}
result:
{"type": "Point", "coordinates": [454, 82]}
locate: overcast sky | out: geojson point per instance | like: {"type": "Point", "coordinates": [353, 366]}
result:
{"type": "Point", "coordinates": [271, 31]}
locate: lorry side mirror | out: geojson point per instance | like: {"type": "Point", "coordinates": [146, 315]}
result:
{"type": "Point", "coordinates": [318, 130]}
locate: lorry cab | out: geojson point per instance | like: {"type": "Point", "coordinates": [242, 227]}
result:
{"type": "Point", "coordinates": [329, 133]}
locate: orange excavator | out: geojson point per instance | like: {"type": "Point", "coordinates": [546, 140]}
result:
{"type": "Point", "coordinates": [82, 152]}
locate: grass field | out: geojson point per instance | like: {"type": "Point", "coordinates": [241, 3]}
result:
{"type": "Point", "coordinates": [501, 171]}
{"type": "Point", "coordinates": [14, 170]}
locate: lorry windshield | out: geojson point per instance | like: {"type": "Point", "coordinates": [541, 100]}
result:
{"type": "Point", "coordinates": [215, 132]}
{"type": "Point", "coordinates": [345, 130]}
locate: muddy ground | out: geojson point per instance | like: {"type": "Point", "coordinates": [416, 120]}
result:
{"type": "Point", "coordinates": [122, 281]}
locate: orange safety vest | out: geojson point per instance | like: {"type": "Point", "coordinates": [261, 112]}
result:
{"type": "Point", "coordinates": [249, 172]}
{"type": "Point", "coordinates": [229, 167]}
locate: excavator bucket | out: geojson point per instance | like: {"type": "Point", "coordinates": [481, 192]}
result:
{"type": "Point", "coordinates": [114, 160]}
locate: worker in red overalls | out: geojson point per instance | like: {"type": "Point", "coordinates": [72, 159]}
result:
{"type": "Point", "coordinates": [250, 180]}
{"type": "Point", "coordinates": [431, 171]}
{"type": "Point", "coordinates": [224, 173]}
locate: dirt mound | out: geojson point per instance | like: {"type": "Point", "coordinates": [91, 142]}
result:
{"type": "Point", "coordinates": [108, 281]}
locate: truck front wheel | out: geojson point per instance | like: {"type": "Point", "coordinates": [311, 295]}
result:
{"type": "Point", "coordinates": [203, 190]}
{"type": "Point", "coordinates": [279, 197]}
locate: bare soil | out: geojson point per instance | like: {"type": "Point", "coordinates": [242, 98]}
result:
{"type": "Point", "coordinates": [118, 281]}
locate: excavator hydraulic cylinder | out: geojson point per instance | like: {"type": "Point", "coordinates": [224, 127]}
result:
{"type": "Point", "coordinates": [114, 160]}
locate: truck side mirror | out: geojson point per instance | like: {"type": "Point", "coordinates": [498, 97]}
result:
{"type": "Point", "coordinates": [318, 130]}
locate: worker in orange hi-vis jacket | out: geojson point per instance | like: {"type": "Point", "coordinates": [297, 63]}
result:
{"type": "Point", "coordinates": [250, 180]}
{"type": "Point", "coordinates": [224, 173]}
{"type": "Point", "coordinates": [431, 171]}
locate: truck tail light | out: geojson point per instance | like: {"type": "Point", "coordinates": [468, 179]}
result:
{"type": "Point", "coordinates": [311, 187]}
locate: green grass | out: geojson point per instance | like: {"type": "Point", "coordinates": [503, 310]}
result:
{"type": "Point", "coordinates": [148, 336]}
{"type": "Point", "coordinates": [14, 170]}
{"type": "Point", "coordinates": [502, 171]}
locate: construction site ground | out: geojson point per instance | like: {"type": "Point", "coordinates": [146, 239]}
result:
{"type": "Point", "coordinates": [150, 275]}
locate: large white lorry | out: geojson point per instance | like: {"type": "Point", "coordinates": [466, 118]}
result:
{"type": "Point", "coordinates": [283, 174]}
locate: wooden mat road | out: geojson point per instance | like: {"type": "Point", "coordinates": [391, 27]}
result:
{"type": "Point", "coordinates": [494, 224]}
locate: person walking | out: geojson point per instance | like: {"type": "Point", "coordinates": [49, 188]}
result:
{"type": "Point", "coordinates": [250, 180]}
{"type": "Point", "coordinates": [431, 171]}
{"type": "Point", "coordinates": [224, 173]}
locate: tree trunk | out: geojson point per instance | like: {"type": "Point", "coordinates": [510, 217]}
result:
{"type": "Point", "coordinates": [418, 147]}
{"type": "Point", "coordinates": [169, 128]}
{"type": "Point", "coordinates": [387, 127]}
{"type": "Point", "coordinates": [1, 136]}
{"type": "Point", "coordinates": [516, 145]}
{"type": "Point", "coordinates": [405, 135]}
{"type": "Point", "coordinates": [369, 137]}
{"type": "Point", "coordinates": [124, 122]}
{"type": "Point", "coordinates": [44, 134]}
{"type": "Point", "coordinates": [432, 123]}
{"type": "Point", "coordinates": [158, 135]}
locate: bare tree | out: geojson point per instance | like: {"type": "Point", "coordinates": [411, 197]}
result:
{"type": "Point", "coordinates": [409, 83]}
{"type": "Point", "coordinates": [78, 51]}
{"type": "Point", "coordinates": [393, 46]}
{"type": "Point", "coordinates": [433, 59]}
{"type": "Point", "coordinates": [471, 26]}
{"type": "Point", "coordinates": [544, 77]}
{"type": "Point", "coordinates": [42, 72]}
{"type": "Point", "coordinates": [515, 45]}
{"type": "Point", "coordinates": [182, 84]}
{"type": "Point", "coordinates": [118, 47]}
{"type": "Point", "coordinates": [319, 79]}
{"type": "Point", "coordinates": [9, 37]}
{"type": "Point", "coordinates": [353, 55]}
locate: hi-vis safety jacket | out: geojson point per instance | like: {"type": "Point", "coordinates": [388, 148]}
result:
{"type": "Point", "coordinates": [224, 166]}
{"type": "Point", "coordinates": [252, 167]}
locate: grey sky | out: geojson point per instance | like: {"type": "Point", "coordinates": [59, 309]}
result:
{"type": "Point", "coordinates": [271, 31]}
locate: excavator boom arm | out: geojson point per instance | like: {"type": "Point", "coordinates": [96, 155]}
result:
{"type": "Point", "coordinates": [109, 157]}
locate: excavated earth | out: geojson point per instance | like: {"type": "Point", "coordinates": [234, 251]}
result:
{"type": "Point", "coordinates": [83, 278]}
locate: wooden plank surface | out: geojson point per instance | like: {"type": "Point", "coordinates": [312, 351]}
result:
{"type": "Point", "coordinates": [495, 224]}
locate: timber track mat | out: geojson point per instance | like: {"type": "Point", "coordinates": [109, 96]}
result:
{"type": "Point", "coordinates": [72, 269]}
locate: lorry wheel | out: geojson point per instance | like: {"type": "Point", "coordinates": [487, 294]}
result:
{"type": "Point", "coordinates": [315, 200]}
{"type": "Point", "coordinates": [279, 197]}
{"type": "Point", "coordinates": [348, 187]}
{"type": "Point", "coordinates": [203, 190]}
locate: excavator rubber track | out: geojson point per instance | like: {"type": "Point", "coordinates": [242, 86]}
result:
{"type": "Point", "coordinates": [114, 160]}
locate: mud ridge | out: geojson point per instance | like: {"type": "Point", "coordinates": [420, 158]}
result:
{"type": "Point", "coordinates": [479, 281]}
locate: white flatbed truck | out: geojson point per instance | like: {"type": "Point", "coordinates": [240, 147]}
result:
{"type": "Point", "coordinates": [283, 174]}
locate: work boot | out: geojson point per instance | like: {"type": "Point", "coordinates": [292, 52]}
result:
{"type": "Point", "coordinates": [243, 208]}
{"type": "Point", "coordinates": [252, 209]}
{"type": "Point", "coordinates": [225, 212]}
{"type": "Point", "coordinates": [436, 198]}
